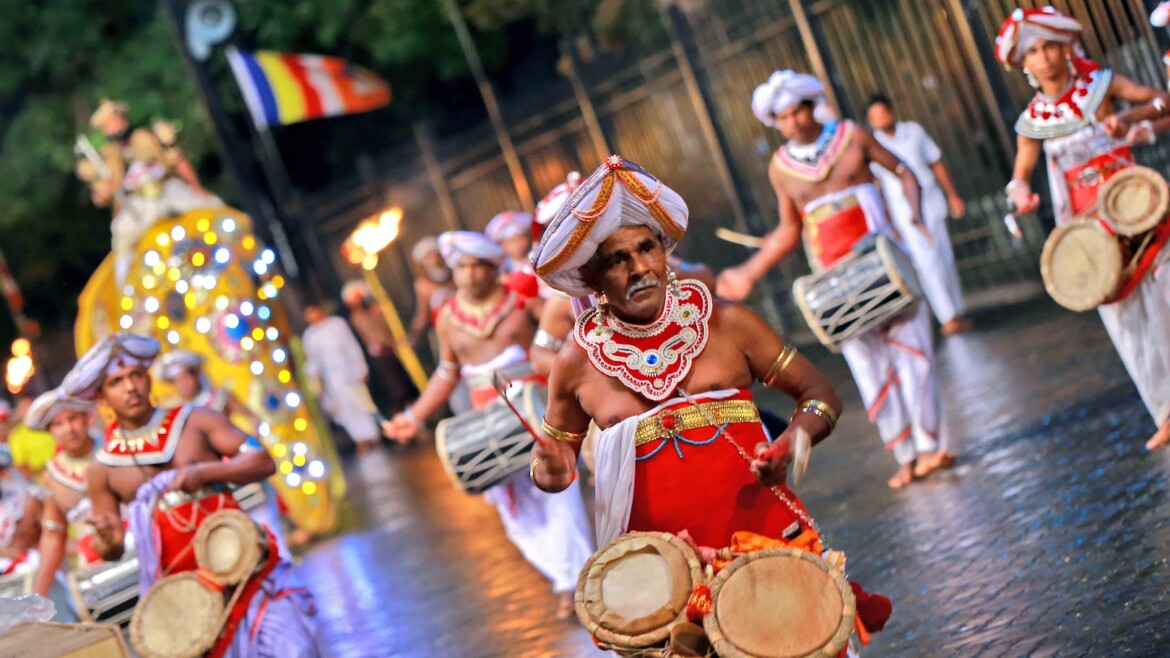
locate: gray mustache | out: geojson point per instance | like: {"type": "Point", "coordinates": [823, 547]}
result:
{"type": "Point", "coordinates": [640, 286]}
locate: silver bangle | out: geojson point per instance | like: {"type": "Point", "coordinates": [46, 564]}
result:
{"type": "Point", "coordinates": [52, 526]}
{"type": "Point", "coordinates": [1015, 182]}
{"type": "Point", "coordinates": [1159, 105]}
{"type": "Point", "coordinates": [1149, 125]}
{"type": "Point", "coordinates": [408, 413]}
{"type": "Point", "coordinates": [547, 341]}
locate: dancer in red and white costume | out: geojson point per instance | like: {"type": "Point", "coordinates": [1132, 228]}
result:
{"type": "Point", "coordinates": [1073, 123]}
{"type": "Point", "coordinates": [486, 327]}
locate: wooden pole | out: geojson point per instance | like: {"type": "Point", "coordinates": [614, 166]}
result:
{"type": "Point", "coordinates": [815, 57]}
{"type": "Point", "coordinates": [584, 102]}
{"type": "Point", "coordinates": [426, 146]}
{"type": "Point", "coordinates": [511, 158]}
{"type": "Point", "coordinates": [402, 346]}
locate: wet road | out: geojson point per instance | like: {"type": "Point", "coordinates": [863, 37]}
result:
{"type": "Point", "coordinates": [1050, 538]}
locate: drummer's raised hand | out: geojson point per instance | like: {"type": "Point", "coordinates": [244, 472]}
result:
{"type": "Point", "coordinates": [553, 466]}
{"type": "Point", "coordinates": [770, 466]}
{"type": "Point", "coordinates": [403, 427]}
{"type": "Point", "coordinates": [733, 285]}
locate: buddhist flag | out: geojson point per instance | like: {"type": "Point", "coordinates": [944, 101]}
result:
{"type": "Point", "coordinates": [280, 88]}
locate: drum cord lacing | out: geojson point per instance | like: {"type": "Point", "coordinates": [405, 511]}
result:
{"type": "Point", "coordinates": [800, 513]}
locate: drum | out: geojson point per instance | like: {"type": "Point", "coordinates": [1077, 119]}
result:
{"type": "Point", "coordinates": [105, 592]}
{"type": "Point", "coordinates": [16, 585]}
{"type": "Point", "coordinates": [250, 496]}
{"type": "Point", "coordinates": [230, 545]}
{"type": "Point", "coordinates": [482, 448]}
{"type": "Point", "coordinates": [1082, 265]}
{"type": "Point", "coordinates": [178, 618]}
{"type": "Point", "coordinates": [780, 603]}
{"type": "Point", "coordinates": [634, 589]}
{"type": "Point", "coordinates": [860, 293]}
{"type": "Point", "coordinates": [1134, 200]}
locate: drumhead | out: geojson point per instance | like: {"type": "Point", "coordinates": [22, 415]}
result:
{"type": "Point", "coordinates": [635, 588]}
{"type": "Point", "coordinates": [178, 618]}
{"type": "Point", "coordinates": [1134, 200]}
{"type": "Point", "coordinates": [229, 545]}
{"type": "Point", "coordinates": [1081, 265]}
{"type": "Point", "coordinates": [780, 603]}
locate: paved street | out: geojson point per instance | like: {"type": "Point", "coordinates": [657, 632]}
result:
{"type": "Point", "coordinates": [1049, 539]}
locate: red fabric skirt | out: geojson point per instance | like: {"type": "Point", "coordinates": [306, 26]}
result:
{"type": "Point", "coordinates": [709, 491]}
{"type": "Point", "coordinates": [177, 527]}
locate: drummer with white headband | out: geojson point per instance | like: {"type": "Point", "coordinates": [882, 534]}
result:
{"type": "Point", "coordinates": [168, 464]}
{"type": "Point", "coordinates": [67, 507]}
{"type": "Point", "coordinates": [487, 328]}
{"type": "Point", "coordinates": [828, 198]}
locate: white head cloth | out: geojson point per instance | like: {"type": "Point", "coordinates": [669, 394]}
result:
{"type": "Point", "coordinates": [784, 90]}
{"type": "Point", "coordinates": [1160, 17]}
{"type": "Point", "coordinates": [355, 291]}
{"type": "Point", "coordinates": [1024, 27]}
{"type": "Point", "coordinates": [176, 361]}
{"type": "Point", "coordinates": [47, 405]}
{"type": "Point", "coordinates": [114, 353]}
{"type": "Point", "coordinates": [456, 244]}
{"type": "Point", "coordinates": [619, 193]}
{"type": "Point", "coordinates": [508, 224]}
{"type": "Point", "coordinates": [422, 248]}
{"type": "Point", "coordinates": [552, 202]}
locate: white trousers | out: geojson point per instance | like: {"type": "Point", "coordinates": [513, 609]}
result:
{"type": "Point", "coordinates": [551, 530]}
{"type": "Point", "coordinates": [1140, 328]}
{"type": "Point", "coordinates": [895, 374]}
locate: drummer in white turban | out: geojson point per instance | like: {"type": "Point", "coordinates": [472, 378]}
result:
{"type": "Point", "coordinates": [432, 286]}
{"type": "Point", "coordinates": [485, 330]}
{"type": "Point", "coordinates": [666, 374]}
{"type": "Point", "coordinates": [66, 512]}
{"type": "Point", "coordinates": [113, 353]}
{"type": "Point", "coordinates": [830, 203]}
{"type": "Point", "coordinates": [513, 232]}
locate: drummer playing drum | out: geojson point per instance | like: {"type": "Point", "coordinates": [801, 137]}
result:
{"type": "Point", "coordinates": [827, 195]}
{"type": "Point", "coordinates": [665, 373]}
{"type": "Point", "coordinates": [168, 467]}
{"type": "Point", "coordinates": [487, 328]}
{"type": "Point", "coordinates": [1070, 121]}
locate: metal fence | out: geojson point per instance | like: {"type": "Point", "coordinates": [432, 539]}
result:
{"type": "Point", "coordinates": [933, 58]}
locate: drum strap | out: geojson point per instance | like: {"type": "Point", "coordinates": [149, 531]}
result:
{"type": "Point", "coordinates": [242, 600]}
{"type": "Point", "coordinates": [1155, 240]}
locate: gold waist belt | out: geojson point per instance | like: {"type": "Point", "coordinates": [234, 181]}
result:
{"type": "Point", "coordinates": [673, 422]}
{"type": "Point", "coordinates": [826, 210]}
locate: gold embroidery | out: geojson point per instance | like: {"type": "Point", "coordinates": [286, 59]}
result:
{"type": "Point", "coordinates": [666, 424]}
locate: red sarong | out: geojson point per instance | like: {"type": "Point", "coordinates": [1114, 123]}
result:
{"type": "Point", "coordinates": [709, 491]}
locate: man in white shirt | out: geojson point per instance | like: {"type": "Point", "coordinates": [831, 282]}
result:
{"type": "Point", "coordinates": [334, 357]}
{"type": "Point", "coordinates": [933, 258]}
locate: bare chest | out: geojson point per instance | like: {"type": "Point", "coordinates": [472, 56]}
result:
{"type": "Point", "coordinates": [124, 481]}
{"type": "Point", "coordinates": [517, 328]}
{"type": "Point", "coordinates": [851, 169]}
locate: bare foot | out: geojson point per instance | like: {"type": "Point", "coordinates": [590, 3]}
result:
{"type": "Point", "coordinates": [903, 477]}
{"type": "Point", "coordinates": [565, 608]}
{"type": "Point", "coordinates": [935, 461]}
{"type": "Point", "coordinates": [1160, 438]}
{"type": "Point", "coordinates": [957, 326]}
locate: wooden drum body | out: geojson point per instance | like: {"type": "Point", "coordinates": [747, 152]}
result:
{"type": "Point", "coordinates": [1082, 265]}
{"type": "Point", "coordinates": [178, 618]}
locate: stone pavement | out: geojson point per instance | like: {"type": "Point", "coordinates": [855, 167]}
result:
{"type": "Point", "coordinates": [1049, 539]}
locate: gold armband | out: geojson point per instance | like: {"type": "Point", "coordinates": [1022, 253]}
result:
{"type": "Point", "coordinates": [827, 413]}
{"type": "Point", "coordinates": [561, 435]}
{"type": "Point", "coordinates": [787, 353]}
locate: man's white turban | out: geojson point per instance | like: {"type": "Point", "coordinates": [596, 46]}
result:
{"type": "Point", "coordinates": [422, 248]}
{"type": "Point", "coordinates": [114, 353]}
{"type": "Point", "coordinates": [508, 224]}
{"type": "Point", "coordinates": [47, 405]}
{"type": "Point", "coordinates": [456, 244]}
{"type": "Point", "coordinates": [619, 193]}
{"type": "Point", "coordinates": [176, 361]}
{"type": "Point", "coordinates": [784, 90]}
